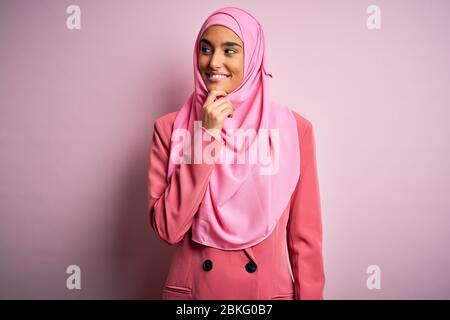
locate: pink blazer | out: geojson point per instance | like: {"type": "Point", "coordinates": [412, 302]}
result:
{"type": "Point", "coordinates": [288, 264]}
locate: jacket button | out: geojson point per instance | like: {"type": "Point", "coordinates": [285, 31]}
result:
{"type": "Point", "coordinates": [250, 267]}
{"type": "Point", "coordinates": [207, 265]}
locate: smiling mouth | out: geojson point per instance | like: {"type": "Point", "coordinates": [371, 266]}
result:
{"type": "Point", "coordinates": [217, 76]}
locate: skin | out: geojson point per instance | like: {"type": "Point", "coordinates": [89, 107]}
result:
{"type": "Point", "coordinates": [217, 54]}
{"type": "Point", "coordinates": [225, 59]}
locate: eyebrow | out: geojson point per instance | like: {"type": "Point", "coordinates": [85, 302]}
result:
{"type": "Point", "coordinates": [225, 44]}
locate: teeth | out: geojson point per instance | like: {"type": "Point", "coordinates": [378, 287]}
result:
{"type": "Point", "coordinates": [217, 76]}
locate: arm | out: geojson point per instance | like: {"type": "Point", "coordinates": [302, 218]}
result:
{"type": "Point", "coordinates": [172, 206]}
{"type": "Point", "coordinates": [305, 226]}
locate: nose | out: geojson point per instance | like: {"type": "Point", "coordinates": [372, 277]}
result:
{"type": "Point", "coordinates": [216, 61]}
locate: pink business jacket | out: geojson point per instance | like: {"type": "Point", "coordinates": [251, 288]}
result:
{"type": "Point", "coordinates": [288, 264]}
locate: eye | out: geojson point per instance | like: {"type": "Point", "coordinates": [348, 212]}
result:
{"type": "Point", "coordinates": [204, 49]}
{"type": "Point", "coordinates": [227, 51]}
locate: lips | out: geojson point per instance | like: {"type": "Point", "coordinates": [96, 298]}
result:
{"type": "Point", "coordinates": [217, 77]}
{"type": "Point", "coordinates": [217, 74]}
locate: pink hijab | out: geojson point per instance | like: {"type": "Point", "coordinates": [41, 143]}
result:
{"type": "Point", "coordinates": [242, 206]}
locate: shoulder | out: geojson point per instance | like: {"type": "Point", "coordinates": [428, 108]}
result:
{"type": "Point", "coordinates": [163, 125]}
{"type": "Point", "coordinates": [306, 139]}
{"type": "Point", "coordinates": [304, 125]}
{"type": "Point", "coordinates": [166, 120]}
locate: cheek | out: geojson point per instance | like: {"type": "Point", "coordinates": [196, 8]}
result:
{"type": "Point", "coordinates": [202, 63]}
{"type": "Point", "coordinates": [237, 69]}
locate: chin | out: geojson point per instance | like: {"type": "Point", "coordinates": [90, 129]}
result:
{"type": "Point", "coordinates": [216, 87]}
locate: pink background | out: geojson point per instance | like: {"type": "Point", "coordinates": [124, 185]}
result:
{"type": "Point", "coordinates": [77, 113]}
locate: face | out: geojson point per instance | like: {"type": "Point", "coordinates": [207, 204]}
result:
{"type": "Point", "coordinates": [221, 59]}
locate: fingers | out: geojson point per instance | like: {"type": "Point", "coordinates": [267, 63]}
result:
{"type": "Point", "coordinates": [214, 111]}
{"type": "Point", "coordinates": [225, 110]}
{"type": "Point", "coordinates": [212, 95]}
{"type": "Point", "coordinates": [223, 105]}
{"type": "Point", "coordinates": [217, 105]}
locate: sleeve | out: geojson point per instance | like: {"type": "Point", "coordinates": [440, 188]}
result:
{"type": "Point", "coordinates": [172, 206]}
{"type": "Point", "coordinates": [304, 229]}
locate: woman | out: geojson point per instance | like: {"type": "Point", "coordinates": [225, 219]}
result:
{"type": "Point", "coordinates": [242, 229]}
